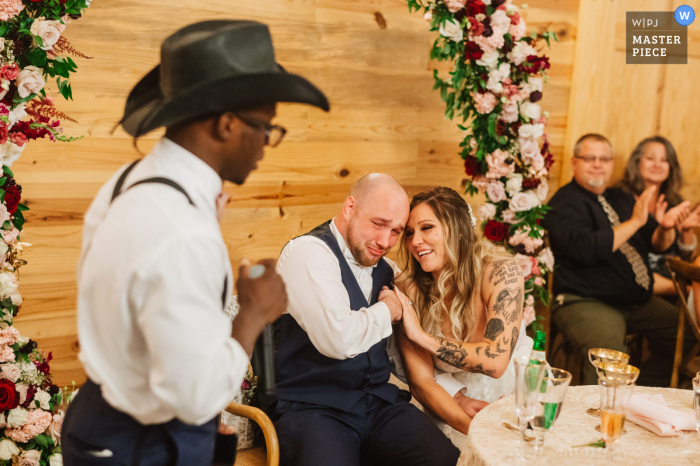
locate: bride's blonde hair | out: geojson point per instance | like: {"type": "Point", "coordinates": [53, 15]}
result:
{"type": "Point", "coordinates": [466, 252]}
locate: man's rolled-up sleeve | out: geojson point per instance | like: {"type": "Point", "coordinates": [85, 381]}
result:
{"type": "Point", "coordinates": [319, 302]}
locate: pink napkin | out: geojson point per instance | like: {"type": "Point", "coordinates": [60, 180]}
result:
{"type": "Point", "coordinates": [652, 413]}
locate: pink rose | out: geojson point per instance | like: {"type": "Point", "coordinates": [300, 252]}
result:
{"type": "Point", "coordinates": [528, 148]}
{"type": "Point", "coordinates": [530, 300]}
{"type": "Point", "coordinates": [496, 192]}
{"type": "Point", "coordinates": [542, 190]}
{"type": "Point", "coordinates": [524, 201]}
{"type": "Point", "coordinates": [484, 103]}
{"type": "Point", "coordinates": [537, 164]}
{"type": "Point", "coordinates": [525, 264]}
{"type": "Point", "coordinates": [535, 269]}
{"type": "Point", "coordinates": [49, 32]}
{"type": "Point", "coordinates": [10, 372]}
{"type": "Point", "coordinates": [509, 216]}
{"type": "Point", "coordinates": [37, 422]}
{"type": "Point", "coordinates": [9, 336]}
{"type": "Point", "coordinates": [522, 237]}
{"type": "Point", "coordinates": [490, 44]}
{"type": "Point", "coordinates": [455, 5]}
{"type": "Point", "coordinates": [7, 354]}
{"type": "Point", "coordinates": [529, 315]}
{"type": "Point", "coordinates": [9, 72]}
{"type": "Point", "coordinates": [517, 30]}
{"type": "Point", "coordinates": [10, 8]}
{"type": "Point", "coordinates": [547, 259]}
{"type": "Point", "coordinates": [497, 164]}
{"type": "Point", "coordinates": [29, 458]}
{"type": "Point", "coordinates": [9, 236]}
{"type": "Point", "coordinates": [510, 111]}
{"type": "Point", "coordinates": [481, 183]}
{"type": "Point", "coordinates": [500, 23]}
{"type": "Point", "coordinates": [29, 81]}
{"type": "Point", "coordinates": [55, 427]}
{"type": "Point", "coordinates": [18, 139]}
{"type": "Point", "coordinates": [538, 281]}
{"type": "Point", "coordinates": [487, 211]}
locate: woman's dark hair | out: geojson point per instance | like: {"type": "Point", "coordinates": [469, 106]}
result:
{"type": "Point", "coordinates": [632, 180]}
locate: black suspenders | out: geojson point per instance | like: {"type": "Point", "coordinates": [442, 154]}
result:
{"type": "Point", "coordinates": [118, 190]}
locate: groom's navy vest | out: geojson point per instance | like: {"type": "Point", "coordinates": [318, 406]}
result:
{"type": "Point", "coordinates": [305, 375]}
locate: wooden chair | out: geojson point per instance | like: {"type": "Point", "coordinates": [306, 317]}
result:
{"type": "Point", "coordinates": [683, 273]}
{"type": "Point", "coordinates": [256, 456]}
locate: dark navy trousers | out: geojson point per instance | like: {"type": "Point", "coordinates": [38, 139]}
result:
{"type": "Point", "coordinates": [373, 433]}
{"type": "Point", "coordinates": [95, 434]}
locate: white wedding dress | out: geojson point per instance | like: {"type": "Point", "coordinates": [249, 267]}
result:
{"type": "Point", "coordinates": [478, 386]}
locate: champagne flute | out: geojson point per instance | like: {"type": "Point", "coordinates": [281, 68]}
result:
{"type": "Point", "coordinates": [528, 379]}
{"type": "Point", "coordinates": [550, 398]}
{"type": "Point", "coordinates": [614, 398]}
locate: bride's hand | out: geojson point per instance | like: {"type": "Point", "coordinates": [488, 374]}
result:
{"type": "Point", "coordinates": [469, 405]}
{"type": "Point", "coordinates": [411, 323]}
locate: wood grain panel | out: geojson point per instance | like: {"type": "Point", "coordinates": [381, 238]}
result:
{"type": "Point", "coordinates": [384, 117]}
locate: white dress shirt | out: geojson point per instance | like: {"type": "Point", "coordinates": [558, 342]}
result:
{"type": "Point", "coordinates": [151, 276]}
{"type": "Point", "coordinates": [320, 304]}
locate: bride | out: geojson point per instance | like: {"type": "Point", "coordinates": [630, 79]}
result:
{"type": "Point", "coordinates": [462, 313]}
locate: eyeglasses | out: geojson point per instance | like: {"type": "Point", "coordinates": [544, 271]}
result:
{"type": "Point", "coordinates": [593, 158]}
{"type": "Point", "coordinates": [273, 133]}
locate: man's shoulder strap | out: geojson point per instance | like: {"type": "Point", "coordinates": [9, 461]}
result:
{"type": "Point", "coordinates": [160, 180]}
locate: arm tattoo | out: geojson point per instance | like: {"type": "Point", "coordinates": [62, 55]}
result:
{"type": "Point", "coordinates": [506, 271]}
{"type": "Point", "coordinates": [498, 268]}
{"type": "Point", "coordinates": [451, 353]}
{"type": "Point", "coordinates": [489, 354]}
{"type": "Point", "coordinates": [479, 369]}
{"type": "Point", "coordinates": [514, 340]}
{"type": "Point", "coordinates": [509, 303]}
{"type": "Point", "coordinates": [494, 328]}
{"type": "Point", "coordinates": [478, 348]}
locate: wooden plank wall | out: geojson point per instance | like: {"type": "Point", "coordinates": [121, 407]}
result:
{"type": "Point", "coordinates": [369, 56]}
{"type": "Point", "coordinates": [628, 103]}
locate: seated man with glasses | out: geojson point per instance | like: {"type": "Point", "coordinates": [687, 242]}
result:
{"type": "Point", "coordinates": [601, 238]}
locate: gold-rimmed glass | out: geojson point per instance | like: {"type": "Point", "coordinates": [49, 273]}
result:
{"type": "Point", "coordinates": [600, 355]}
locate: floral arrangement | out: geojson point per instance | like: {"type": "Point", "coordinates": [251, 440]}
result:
{"type": "Point", "coordinates": [32, 52]}
{"type": "Point", "coordinates": [494, 86]}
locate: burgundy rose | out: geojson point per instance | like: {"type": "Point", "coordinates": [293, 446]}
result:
{"type": "Point", "coordinates": [488, 30]}
{"type": "Point", "coordinates": [472, 51]}
{"type": "Point", "coordinates": [13, 194]}
{"type": "Point", "coordinates": [497, 3]}
{"type": "Point", "coordinates": [535, 96]}
{"type": "Point", "coordinates": [53, 390]}
{"type": "Point", "coordinates": [495, 231]}
{"type": "Point", "coordinates": [246, 385]}
{"type": "Point", "coordinates": [31, 391]}
{"type": "Point", "coordinates": [9, 398]}
{"type": "Point", "coordinates": [471, 166]}
{"type": "Point", "coordinates": [475, 7]}
{"type": "Point", "coordinates": [531, 183]}
{"type": "Point", "coordinates": [534, 64]}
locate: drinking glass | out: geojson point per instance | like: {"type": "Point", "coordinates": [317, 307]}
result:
{"type": "Point", "coordinates": [599, 356]}
{"type": "Point", "coordinates": [550, 398]}
{"type": "Point", "coordinates": [613, 404]}
{"type": "Point", "coordinates": [528, 379]}
{"type": "Point", "coordinates": [696, 401]}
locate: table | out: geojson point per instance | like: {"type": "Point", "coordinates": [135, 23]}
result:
{"type": "Point", "coordinates": [488, 441]}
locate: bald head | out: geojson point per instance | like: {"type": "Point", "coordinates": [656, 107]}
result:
{"type": "Point", "coordinates": [373, 217]}
{"type": "Point", "coordinates": [375, 184]}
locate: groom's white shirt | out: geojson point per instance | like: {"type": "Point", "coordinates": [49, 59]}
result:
{"type": "Point", "coordinates": [320, 304]}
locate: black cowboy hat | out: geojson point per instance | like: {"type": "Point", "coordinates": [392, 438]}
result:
{"type": "Point", "coordinates": [210, 67]}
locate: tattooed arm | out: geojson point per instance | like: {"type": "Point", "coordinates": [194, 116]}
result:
{"type": "Point", "coordinates": [502, 289]}
{"type": "Point", "coordinates": [421, 382]}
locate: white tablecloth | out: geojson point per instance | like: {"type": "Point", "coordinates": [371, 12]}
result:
{"type": "Point", "coordinates": [488, 441]}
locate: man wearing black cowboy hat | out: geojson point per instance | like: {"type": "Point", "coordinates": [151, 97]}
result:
{"type": "Point", "coordinates": [161, 357]}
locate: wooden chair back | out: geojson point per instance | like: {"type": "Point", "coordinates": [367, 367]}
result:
{"type": "Point", "coordinates": [254, 456]}
{"type": "Point", "coordinates": [683, 274]}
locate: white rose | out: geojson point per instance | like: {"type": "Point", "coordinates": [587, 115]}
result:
{"type": "Point", "coordinates": [2, 44]}
{"type": "Point", "coordinates": [531, 131]}
{"type": "Point", "coordinates": [17, 417]}
{"type": "Point", "coordinates": [29, 81]}
{"type": "Point", "coordinates": [16, 299]}
{"type": "Point", "coordinates": [10, 372]}
{"type": "Point", "coordinates": [495, 191]}
{"type": "Point", "coordinates": [480, 17]}
{"type": "Point", "coordinates": [524, 201]}
{"type": "Point", "coordinates": [525, 264]}
{"type": "Point", "coordinates": [43, 398]}
{"type": "Point", "coordinates": [487, 211]}
{"type": "Point", "coordinates": [536, 164]}
{"type": "Point", "coordinates": [452, 30]}
{"type": "Point", "coordinates": [547, 258]}
{"type": "Point", "coordinates": [4, 214]}
{"type": "Point", "coordinates": [8, 449]}
{"type": "Point", "coordinates": [514, 183]}
{"type": "Point", "coordinates": [520, 52]}
{"type": "Point", "coordinates": [504, 70]}
{"type": "Point", "coordinates": [56, 459]}
{"type": "Point", "coordinates": [530, 110]}
{"type": "Point", "coordinates": [29, 458]}
{"type": "Point", "coordinates": [54, 429]}
{"type": "Point", "coordinates": [428, 15]}
{"type": "Point", "coordinates": [488, 59]}
{"type": "Point", "coordinates": [49, 31]}
{"type": "Point", "coordinates": [17, 113]}
{"type": "Point", "coordinates": [542, 190]}
{"type": "Point", "coordinates": [3, 420]}
{"type": "Point", "coordinates": [10, 152]}
{"type": "Point", "coordinates": [8, 284]}
{"type": "Point", "coordinates": [532, 85]}
{"type": "Point", "coordinates": [486, 2]}
{"type": "Point", "coordinates": [494, 84]}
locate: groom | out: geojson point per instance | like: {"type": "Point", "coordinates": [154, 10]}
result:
{"type": "Point", "coordinates": [334, 404]}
